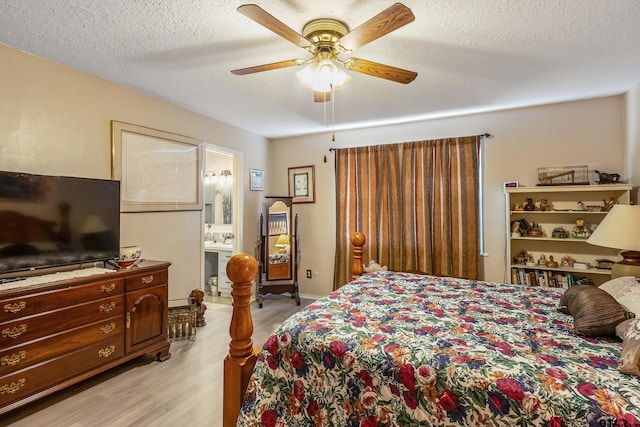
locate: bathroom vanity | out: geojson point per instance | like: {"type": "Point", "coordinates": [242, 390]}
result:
{"type": "Point", "coordinates": [216, 257]}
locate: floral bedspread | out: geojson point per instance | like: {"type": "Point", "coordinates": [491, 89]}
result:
{"type": "Point", "coordinates": [397, 349]}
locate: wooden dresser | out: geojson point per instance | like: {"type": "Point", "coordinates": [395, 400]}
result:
{"type": "Point", "coordinates": [56, 334]}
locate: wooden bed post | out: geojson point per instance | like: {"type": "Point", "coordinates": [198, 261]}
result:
{"type": "Point", "coordinates": [239, 363]}
{"type": "Point", "coordinates": [357, 241]}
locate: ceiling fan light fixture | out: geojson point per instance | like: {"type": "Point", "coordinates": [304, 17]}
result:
{"type": "Point", "coordinates": [323, 76]}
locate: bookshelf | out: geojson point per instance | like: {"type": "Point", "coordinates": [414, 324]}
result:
{"type": "Point", "coordinates": [574, 209]}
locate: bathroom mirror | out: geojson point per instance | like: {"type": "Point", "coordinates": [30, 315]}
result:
{"type": "Point", "coordinates": [218, 188]}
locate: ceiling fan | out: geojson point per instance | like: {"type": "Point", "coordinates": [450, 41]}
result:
{"type": "Point", "coordinates": [327, 38]}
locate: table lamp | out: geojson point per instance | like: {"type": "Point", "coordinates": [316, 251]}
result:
{"type": "Point", "coordinates": [620, 229]}
{"type": "Point", "coordinates": [283, 242]}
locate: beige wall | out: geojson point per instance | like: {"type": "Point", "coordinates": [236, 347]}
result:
{"type": "Point", "coordinates": [590, 132]}
{"type": "Point", "coordinates": [55, 120]}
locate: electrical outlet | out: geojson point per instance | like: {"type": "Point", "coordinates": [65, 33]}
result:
{"type": "Point", "coordinates": [308, 274]}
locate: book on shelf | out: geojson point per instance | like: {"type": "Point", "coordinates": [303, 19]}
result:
{"type": "Point", "coordinates": [542, 278]}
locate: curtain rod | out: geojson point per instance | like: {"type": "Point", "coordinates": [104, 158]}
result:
{"type": "Point", "coordinates": [485, 135]}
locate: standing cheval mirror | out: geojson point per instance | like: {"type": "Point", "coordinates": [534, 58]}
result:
{"type": "Point", "coordinates": [278, 247]}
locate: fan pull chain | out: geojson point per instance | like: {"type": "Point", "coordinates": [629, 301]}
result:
{"type": "Point", "coordinates": [324, 108]}
{"type": "Point", "coordinates": [333, 114]}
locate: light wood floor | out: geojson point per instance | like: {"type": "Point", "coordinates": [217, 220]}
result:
{"type": "Point", "coordinates": [185, 390]}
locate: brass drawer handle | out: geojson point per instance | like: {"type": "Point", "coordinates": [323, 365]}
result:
{"type": "Point", "coordinates": [147, 279]}
{"type": "Point", "coordinates": [13, 387]}
{"type": "Point", "coordinates": [106, 352]}
{"type": "Point", "coordinates": [15, 307]}
{"type": "Point", "coordinates": [107, 329]}
{"type": "Point", "coordinates": [14, 332]}
{"type": "Point", "coordinates": [14, 359]}
{"type": "Point", "coordinates": [105, 308]}
{"type": "Point", "coordinates": [108, 288]}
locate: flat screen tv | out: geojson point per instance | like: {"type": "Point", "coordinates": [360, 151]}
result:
{"type": "Point", "coordinates": [51, 221]}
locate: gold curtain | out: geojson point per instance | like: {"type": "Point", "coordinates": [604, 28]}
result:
{"type": "Point", "coordinates": [417, 203]}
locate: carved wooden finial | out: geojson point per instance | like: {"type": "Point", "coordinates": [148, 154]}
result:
{"type": "Point", "coordinates": [239, 363]}
{"type": "Point", "coordinates": [241, 270]}
{"type": "Point", "coordinates": [357, 241]}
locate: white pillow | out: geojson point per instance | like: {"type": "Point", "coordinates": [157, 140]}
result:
{"type": "Point", "coordinates": [621, 286]}
{"type": "Point", "coordinates": [631, 302]}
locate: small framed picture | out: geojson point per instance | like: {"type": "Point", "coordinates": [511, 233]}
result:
{"type": "Point", "coordinates": [256, 179]}
{"type": "Point", "coordinates": [302, 184]}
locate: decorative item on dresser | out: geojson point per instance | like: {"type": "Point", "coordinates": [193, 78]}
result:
{"type": "Point", "coordinates": [558, 226]}
{"type": "Point", "coordinates": [59, 332]}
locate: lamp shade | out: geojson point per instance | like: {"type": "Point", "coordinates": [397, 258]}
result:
{"type": "Point", "coordinates": [283, 240]}
{"type": "Point", "coordinates": [620, 229]}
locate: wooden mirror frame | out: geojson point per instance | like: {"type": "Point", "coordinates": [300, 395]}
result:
{"type": "Point", "coordinates": [280, 276]}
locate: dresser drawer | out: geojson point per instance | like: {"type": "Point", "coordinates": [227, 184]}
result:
{"type": "Point", "coordinates": [146, 280]}
{"type": "Point", "coordinates": [33, 327]}
{"type": "Point", "coordinates": [47, 300]}
{"type": "Point", "coordinates": [24, 355]}
{"type": "Point", "coordinates": [25, 382]}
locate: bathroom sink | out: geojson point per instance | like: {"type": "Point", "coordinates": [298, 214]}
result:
{"type": "Point", "coordinates": [209, 244]}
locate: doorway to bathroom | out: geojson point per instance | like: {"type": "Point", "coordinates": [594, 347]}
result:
{"type": "Point", "coordinates": [221, 217]}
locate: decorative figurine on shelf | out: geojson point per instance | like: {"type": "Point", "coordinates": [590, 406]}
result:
{"type": "Point", "coordinates": [559, 233]}
{"type": "Point", "coordinates": [535, 230]}
{"type": "Point", "coordinates": [607, 178]}
{"type": "Point", "coordinates": [545, 205]}
{"type": "Point", "coordinates": [530, 206]}
{"type": "Point", "coordinates": [542, 260]}
{"type": "Point", "coordinates": [518, 207]}
{"type": "Point", "coordinates": [515, 229]}
{"type": "Point", "coordinates": [580, 231]}
{"type": "Point", "coordinates": [551, 263]}
{"type": "Point", "coordinates": [604, 263]}
{"type": "Point", "coordinates": [523, 257]}
{"type": "Point", "coordinates": [580, 206]}
{"type": "Point", "coordinates": [608, 204]}
{"type": "Point", "coordinates": [567, 261]}
{"type": "Point", "coordinates": [197, 297]}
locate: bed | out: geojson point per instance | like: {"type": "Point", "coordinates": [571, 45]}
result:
{"type": "Point", "coordinates": [402, 349]}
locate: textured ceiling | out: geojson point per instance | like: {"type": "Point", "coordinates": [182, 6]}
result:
{"type": "Point", "coordinates": [470, 55]}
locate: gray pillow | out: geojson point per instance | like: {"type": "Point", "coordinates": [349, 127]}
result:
{"type": "Point", "coordinates": [595, 312]}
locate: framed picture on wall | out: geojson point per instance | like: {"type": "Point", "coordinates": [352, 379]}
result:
{"type": "Point", "coordinates": [158, 171]}
{"type": "Point", "coordinates": [256, 179]}
{"type": "Point", "coordinates": [302, 184]}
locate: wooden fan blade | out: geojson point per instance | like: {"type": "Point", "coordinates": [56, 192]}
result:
{"type": "Point", "coordinates": [264, 18]}
{"type": "Point", "coordinates": [380, 70]}
{"type": "Point", "coordinates": [321, 96]}
{"type": "Point", "coordinates": [390, 19]}
{"type": "Point", "coordinates": [268, 67]}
